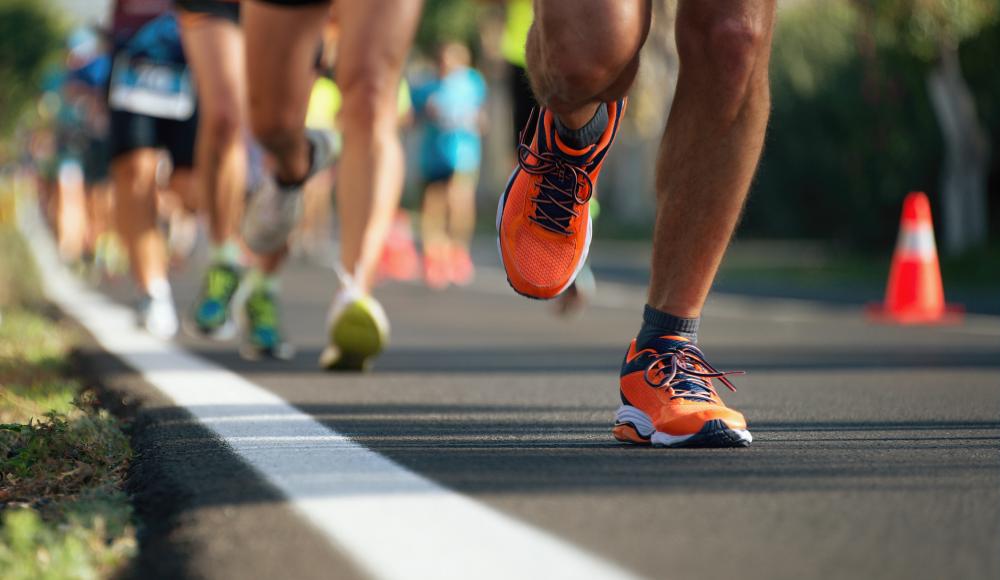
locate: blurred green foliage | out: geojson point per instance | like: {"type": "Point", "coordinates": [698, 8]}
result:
{"type": "Point", "coordinates": [852, 129]}
{"type": "Point", "coordinates": [923, 26]}
{"type": "Point", "coordinates": [448, 20]}
{"type": "Point", "coordinates": [30, 34]}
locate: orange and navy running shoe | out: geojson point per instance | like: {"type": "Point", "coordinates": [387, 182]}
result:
{"type": "Point", "coordinates": [668, 399]}
{"type": "Point", "coordinates": [543, 219]}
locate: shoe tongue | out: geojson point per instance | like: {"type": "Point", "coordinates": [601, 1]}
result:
{"type": "Point", "coordinates": [665, 343]}
{"type": "Point", "coordinates": [559, 188]}
{"type": "Point", "coordinates": [685, 382]}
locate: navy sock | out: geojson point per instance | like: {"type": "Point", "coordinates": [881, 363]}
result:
{"type": "Point", "coordinates": [588, 134]}
{"type": "Point", "coordinates": [656, 323]}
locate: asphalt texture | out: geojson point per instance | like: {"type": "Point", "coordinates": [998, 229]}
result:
{"type": "Point", "coordinates": [875, 450]}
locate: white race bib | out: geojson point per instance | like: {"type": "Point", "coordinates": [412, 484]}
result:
{"type": "Point", "coordinates": [151, 88]}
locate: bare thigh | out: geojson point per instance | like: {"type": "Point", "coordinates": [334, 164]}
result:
{"type": "Point", "coordinates": [215, 52]}
{"type": "Point", "coordinates": [375, 38]}
{"type": "Point", "coordinates": [281, 46]}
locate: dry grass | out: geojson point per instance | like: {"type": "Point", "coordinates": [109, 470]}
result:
{"type": "Point", "coordinates": [63, 513]}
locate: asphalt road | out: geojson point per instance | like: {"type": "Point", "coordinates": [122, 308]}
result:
{"type": "Point", "coordinates": [875, 449]}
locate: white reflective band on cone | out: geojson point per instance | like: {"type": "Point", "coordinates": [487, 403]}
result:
{"type": "Point", "coordinates": [917, 241]}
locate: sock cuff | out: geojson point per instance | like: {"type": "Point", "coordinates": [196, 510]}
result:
{"type": "Point", "coordinates": [228, 252]}
{"type": "Point", "coordinates": [588, 134]}
{"type": "Point", "coordinates": [258, 279]}
{"type": "Point", "coordinates": [667, 323]}
{"type": "Point", "coordinates": [159, 289]}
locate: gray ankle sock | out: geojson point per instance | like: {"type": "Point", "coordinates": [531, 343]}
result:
{"type": "Point", "coordinates": [588, 134]}
{"type": "Point", "coordinates": [657, 323]}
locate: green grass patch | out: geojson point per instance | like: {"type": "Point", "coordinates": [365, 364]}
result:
{"type": "Point", "coordinates": [63, 460]}
{"type": "Point", "coordinates": [20, 285]}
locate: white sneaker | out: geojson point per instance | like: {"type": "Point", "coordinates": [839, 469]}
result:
{"type": "Point", "coordinates": [272, 211]}
{"type": "Point", "coordinates": [357, 329]}
{"type": "Point", "coordinates": [158, 317]}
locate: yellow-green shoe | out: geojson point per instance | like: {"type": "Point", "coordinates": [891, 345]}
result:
{"type": "Point", "coordinates": [358, 331]}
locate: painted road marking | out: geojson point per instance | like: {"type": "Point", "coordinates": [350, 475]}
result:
{"type": "Point", "coordinates": [392, 522]}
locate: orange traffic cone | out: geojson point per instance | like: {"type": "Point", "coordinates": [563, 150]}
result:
{"type": "Point", "coordinates": [915, 293]}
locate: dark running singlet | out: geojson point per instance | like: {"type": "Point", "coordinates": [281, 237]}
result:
{"type": "Point", "coordinates": [128, 16]}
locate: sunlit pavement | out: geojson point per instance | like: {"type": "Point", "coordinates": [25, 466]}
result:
{"type": "Point", "coordinates": [875, 451]}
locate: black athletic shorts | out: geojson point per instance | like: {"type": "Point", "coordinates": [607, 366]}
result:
{"type": "Point", "coordinates": [131, 131]}
{"type": "Point", "coordinates": [96, 160]}
{"type": "Point", "coordinates": [192, 9]}
{"type": "Point", "coordinates": [296, 2]}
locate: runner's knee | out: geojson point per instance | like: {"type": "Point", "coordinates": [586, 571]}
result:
{"type": "Point", "coordinates": [370, 101]}
{"type": "Point", "coordinates": [222, 125]}
{"type": "Point", "coordinates": [724, 50]}
{"type": "Point", "coordinates": [132, 177]}
{"type": "Point", "coordinates": [584, 53]}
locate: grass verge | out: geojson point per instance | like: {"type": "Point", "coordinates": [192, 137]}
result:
{"type": "Point", "coordinates": [63, 460]}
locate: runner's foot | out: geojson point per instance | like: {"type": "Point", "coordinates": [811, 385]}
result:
{"type": "Point", "coordinates": [579, 293]}
{"type": "Point", "coordinates": [212, 315]}
{"type": "Point", "coordinates": [462, 269]}
{"type": "Point", "coordinates": [543, 219]}
{"type": "Point", "coordinates": [273, 210]}
{"type": "Point", "coordinates": [157, 316]}
{"type": "Point", "coordinates": [262, 335]}
{"type": "Point", "coordinates": [436, 270]}
{"type": "Point", "coordinates": [668, 399]}
{"type": "Point", "coordinates": [358, 330]}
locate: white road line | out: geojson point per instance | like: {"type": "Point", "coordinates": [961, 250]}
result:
{"type": "Point", "coordinates": [392, 522]}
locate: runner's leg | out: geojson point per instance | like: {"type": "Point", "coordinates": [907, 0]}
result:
{"type": "Point", "coordinates": [711, 145]}
{"type": "Point", "coordinates": [707, 159]}
{"type": "Point", "coordinates": [375, 39]}
{"type": "Point", "coordinates": [461, 189]}
{"type": "Point", "coordinates": [134, 177]}
{"type": "Point", "coordinates": [281, 44]}
{"type": "Point", "coordinates": [434, 233]}
{"type": "Point", "coordinates": [461, 192]}
{"type": "Point", "coordinates": [214, 50]}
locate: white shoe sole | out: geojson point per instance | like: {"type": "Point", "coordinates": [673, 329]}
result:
{"type": "Point", "coordinates": [630, 420]}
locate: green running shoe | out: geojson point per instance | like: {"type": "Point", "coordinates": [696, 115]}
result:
{"type": "Point", "coordinates": [262, 336]}
{"type": "Point", "coordinates": [358, 331]}
{"type": "Point", "coordinates": [212, 315]}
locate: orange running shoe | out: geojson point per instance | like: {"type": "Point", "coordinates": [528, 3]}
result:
{"type": "Point", "coordinates": [543, 219]}
{"type": "Point", "coordinates": [462, 269]}
{"type": "Point", "coordinates": [668, 399]}
{"type": "Point", "coordinates": [436, 272]}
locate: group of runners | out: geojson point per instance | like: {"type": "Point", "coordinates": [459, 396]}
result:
{"type": "Point", "coordinates": [242, 155]}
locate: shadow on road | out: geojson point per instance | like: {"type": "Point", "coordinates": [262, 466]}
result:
{"type": "Point", "coordinates": [605, 360]}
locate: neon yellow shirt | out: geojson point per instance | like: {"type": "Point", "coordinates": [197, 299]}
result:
{"type": "Point", "coordinates": [325, 102]}
{"type": "Point", "coordinates": [520, 15]}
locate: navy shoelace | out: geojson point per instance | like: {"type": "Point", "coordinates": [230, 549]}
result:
{"type": "Point", "coordinates": [564, 187]}
{"type": "Point", "coordinates": [685, 371]}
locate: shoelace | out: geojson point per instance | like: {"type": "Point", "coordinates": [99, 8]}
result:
{"type": "Point", "coordinates": [560, 191]}
{"type": "Point", "coordinates": [689, 373]}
